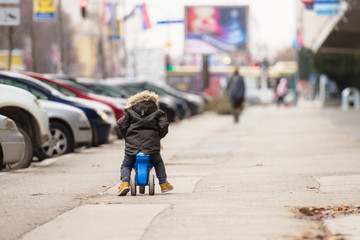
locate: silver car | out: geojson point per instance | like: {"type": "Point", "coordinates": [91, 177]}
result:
{"type": "Point", "coordinates": [69, 129]}
{"type": "Point", "coordinates": [12, 145]}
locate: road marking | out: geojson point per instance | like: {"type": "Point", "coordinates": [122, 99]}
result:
{"type": "Point", "coordinates": [94, 222]}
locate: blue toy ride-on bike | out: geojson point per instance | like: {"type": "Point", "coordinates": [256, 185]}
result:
{"type": "Point", "coordinates": [142, 176]}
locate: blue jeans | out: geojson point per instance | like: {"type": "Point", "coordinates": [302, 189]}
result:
{"type": "Point", "coordinates": [155, 159]}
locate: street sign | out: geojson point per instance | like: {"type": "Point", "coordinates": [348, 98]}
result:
{"type": "Point", "coordinates": [10, 16]}
{"type": "Point", "coordinates": [9, 1]}
{"type": "Point", "coordinates": [44, 10]}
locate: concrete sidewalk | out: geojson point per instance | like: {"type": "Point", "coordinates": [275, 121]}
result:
{"type": "Point", "coordinates": [243, 181]}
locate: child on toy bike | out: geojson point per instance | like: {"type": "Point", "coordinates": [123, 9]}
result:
{"type": "Point", "coordinates": [142, 127]}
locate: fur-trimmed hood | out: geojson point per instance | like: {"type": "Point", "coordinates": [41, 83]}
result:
{"type": "Point", "coordinates": [142, 96]}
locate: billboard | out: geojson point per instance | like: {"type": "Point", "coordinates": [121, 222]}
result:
{"type": "Point", "coordinates": [215, 29]}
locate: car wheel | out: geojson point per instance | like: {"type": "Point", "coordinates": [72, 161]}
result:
{"type": "Point", "coordinates": [60, 142]}
{"type": "Point", "coordinates": [28, 154]}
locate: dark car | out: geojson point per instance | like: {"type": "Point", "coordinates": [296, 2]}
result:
{"type": "Point", "coordinates": [101, 88]}
{"type": "Point", "coordinates": [195, 103]}
{"type": "Point", "coordinates": [98, 119]}
{"type": "Point", "coordinates": [173, 107]}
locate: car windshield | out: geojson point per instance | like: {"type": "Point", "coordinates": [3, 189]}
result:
{"type": "Point", "coordinates": [106, 91]}
{"type": "Point", "coordinates": [155, 89]}
{"type": "Point", "coordinates": [77, 86]}
{"type": "Point", "coordinates": [133, 89]}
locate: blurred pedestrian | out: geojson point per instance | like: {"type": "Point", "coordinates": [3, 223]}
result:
{"type": "Point", "coordinates": [142, 127]}
{"type": "Point", "coordinates": [236, 91]}
{"type": "Point", "coordinates": [281, 90]}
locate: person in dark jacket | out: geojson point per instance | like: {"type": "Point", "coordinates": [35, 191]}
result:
{"type": "Point", "coordinates": [236, 90]}
{"type": "Point", "coordinates": [142, 127]}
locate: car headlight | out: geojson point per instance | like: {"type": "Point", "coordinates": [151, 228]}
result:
{"type": "Point", "coordinates": [103, 115]}
{"type": "Point", "coordinates": [10, 124]}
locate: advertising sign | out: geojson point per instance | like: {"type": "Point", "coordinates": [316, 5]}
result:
{"type": "Point", "coordinates": [327, 7]}
{"type": "Point", "coordinates": [114, 32]}
{"type": "Point", "coordinates": [111, 21]}
{"type": "Point", "coordinates": [44, 10]}
{"type": "Point", "coordinates": [215, 29]}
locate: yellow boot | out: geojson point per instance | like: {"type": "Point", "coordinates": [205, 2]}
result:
{"type": "Point", "coordinates": [166, 187]}
{"type": "Point", "coordinates": [124, 188]}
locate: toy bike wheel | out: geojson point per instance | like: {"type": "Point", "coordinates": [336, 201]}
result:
{"type": "Point", "coordinates": [133, 184]}
{"type": "Point", "coordinates": [142, 189]}
{"type": "Point", "coordinates": [151, 184]}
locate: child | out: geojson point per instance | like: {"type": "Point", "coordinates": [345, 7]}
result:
{"type": "Point", "coordinates": [142, 126]}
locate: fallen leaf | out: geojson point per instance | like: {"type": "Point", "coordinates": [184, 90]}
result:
{"type": "Point", "coordinates": [307, 211]}
{"type": "Point", "coordinates": [306, 235]}
{"type": "Point", "coordinates": [336, 238]}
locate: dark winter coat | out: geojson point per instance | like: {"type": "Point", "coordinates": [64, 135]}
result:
{"type": "Point", "coordinates": [143, 124]}
{"type": "Point", "coordinates": [236, 88]}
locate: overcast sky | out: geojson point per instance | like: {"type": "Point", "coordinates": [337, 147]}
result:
{"type": "Point", "coordinates": [272, 23]}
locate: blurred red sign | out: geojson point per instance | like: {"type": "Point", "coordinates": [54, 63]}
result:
{"type": "Point", "coordinates": [308, 2]}
{"type": "Point", "coordinates": [83, 3]}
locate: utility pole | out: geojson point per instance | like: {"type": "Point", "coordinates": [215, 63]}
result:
{"type": "Point", "coordinates": [33, 46]}
{"type": "Point", "coordinates": [205, 71]}
{"type": "Point", "coordinates": [60, 67]}
{"type": "Point", "coordinates": [10, 47]}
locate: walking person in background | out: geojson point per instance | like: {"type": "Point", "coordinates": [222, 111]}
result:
{"type": "Point", "coordinates": [281, 90]}
{"type": "Point", "coordinates": [236, 91]}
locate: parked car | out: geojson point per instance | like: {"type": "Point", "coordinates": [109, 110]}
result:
{"type": "Point", "coordinates": [99, 87]}
{"type": "Point", "coordinates": [12, 145]}
{"type": "Point", "coordinates": [69, 129]}
{"type": "Point", "coordinates": [195, 103]}
{"type": "Point", "coordinates": [174, 109]}
{"type": "Point", "coordinates": [30, 117]}
{"type": "Point", "coordinates": [74, 89]}
{"type": "Point", "coordinates": [100, 116]}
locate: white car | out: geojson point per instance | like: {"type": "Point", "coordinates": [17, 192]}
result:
{"type": "Point", "coordinates": [101, 127]}
{"type": "Point", "coordinates": [12, 145]}
{"type": "Point", "coordinates": [30, 117]}
{"type": "Point", "coordinates": [69, 129]}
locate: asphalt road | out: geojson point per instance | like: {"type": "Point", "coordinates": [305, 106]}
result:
{"type": "Point", "coordinates": [244, 181]}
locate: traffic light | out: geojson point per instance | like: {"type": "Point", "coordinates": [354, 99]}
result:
{"type": "Point", "coordinates": [169, 67]}
{"type": "Point", "coordinates": [83, 5]}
